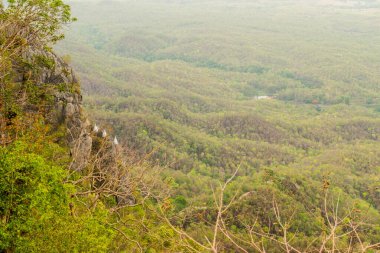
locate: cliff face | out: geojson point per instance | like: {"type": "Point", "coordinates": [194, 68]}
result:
{"type": "Point", "coordinates": [66, 108]}
{"type": "Point", "coordinates": [44, 84]}
{"type": "Point", "coordinates": [68, 111]}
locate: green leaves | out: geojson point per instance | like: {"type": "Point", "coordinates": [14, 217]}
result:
{"type": "Point", "coordinates": [39, 22]}
{"type": "Point", "coordinates": [35, 207]}
{"type": "Point", "coordinates": [30, 192]}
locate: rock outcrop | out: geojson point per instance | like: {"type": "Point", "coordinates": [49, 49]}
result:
{"type": "Point", "coordinates": [57, 80]}
{"type": "Point", "coordinates": [52, 71]}
{"type": "Point", "coordinates": [68, 109]}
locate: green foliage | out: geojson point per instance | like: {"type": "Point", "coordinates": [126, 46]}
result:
{"type": "Point", "coordinates": [185, 90]}
{"type": "Point", "coordinates": [34, 207]}
{"type": "Point", "coordinates": [180, 203]}
{"type": "Point", "coordinates": [50, 15]}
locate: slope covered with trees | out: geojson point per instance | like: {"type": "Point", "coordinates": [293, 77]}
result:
{"type": "Point", "coordinates": [243, 127]}
{"type": "Point", "coordinates": [63, 188]}
{"type": "Point", "coordinates": [284, 92]}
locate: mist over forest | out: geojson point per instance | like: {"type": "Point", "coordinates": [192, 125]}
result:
{"type": "Point", "coordinates": [192, 126]}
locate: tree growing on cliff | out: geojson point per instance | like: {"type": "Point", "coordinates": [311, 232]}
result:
{"type": "Point", "coordinates": [28, 29]}
{"type": "Point", "coordinates": [33, 23]}
{"type": "Point", "coordinates": [29, 25]}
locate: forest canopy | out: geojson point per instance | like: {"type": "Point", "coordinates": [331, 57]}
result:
{"type": "Point", "coordinates": [206, 126]}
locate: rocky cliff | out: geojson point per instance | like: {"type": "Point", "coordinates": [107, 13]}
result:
{"type": "Point", "coordinates": [58, 80]}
